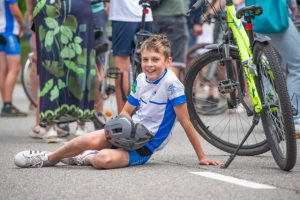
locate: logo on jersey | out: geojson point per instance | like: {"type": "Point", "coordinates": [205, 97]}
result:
{"type": "Point", "coordinates": [133, 88]}
{"type": "Point", "coordinates": [172, 89]}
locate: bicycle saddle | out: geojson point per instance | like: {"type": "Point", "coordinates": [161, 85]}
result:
{"type": "Point", "coordinates": [249, 11]}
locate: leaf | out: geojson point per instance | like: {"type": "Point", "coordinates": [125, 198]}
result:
{"type": "Point", "coordinates": [54, 68]}
{"type": "Point", "coordinates": [77, 48]}
{"type": "Point", "coordinates": [51, 23]}
{"type": "Point", "coordinates": [74, 88]}
{"type": "Point", "coordinates": [64, 39]}
{"type": "Point", "coordinates": [91, 84]}
{"type": "Point", "coordinates": [47, 87]}
{"type": "Point", "coordinates": [49, 39]}
{"type": "Point", "coordinates": [42, 33]}
{"type": "Point", "coordinates": [54, 93]}
{"type": "Point", "coordinates": [66, 31]}
{"type": "Point", "coordinates": [61, 84]}
{"type": "Point", "coordinates": [78, 40]}
{"type": "Point", "coordinates": [71, 22]}
{"type": "Point", "coordinates": [82, 58]}
{"type": "Point", "coordinates": [93, 57]}
{"type": "Point", "coordinates": [72, 66]}
{"type": "Point", "coordinates": [51, 11]}
{"type": "Point", "coordinates": [56, 30]}
{"type": "Point", "coordinates": [38, 7]}
{"type": "Point", "coordinates": [67, 53]}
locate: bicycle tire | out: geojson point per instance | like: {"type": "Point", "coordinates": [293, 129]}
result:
{"type": "Point", "coordinates": [195, 48]}
{"type": "Point", "coordinates": [278, 124]}
{"type": "Point", "coordinates": [212, 128]}
{"type": "Point", "coordinates": [26, 80]}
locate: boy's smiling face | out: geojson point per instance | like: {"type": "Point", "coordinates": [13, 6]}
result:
{"type": "Point", "coordinates": [154, 64]}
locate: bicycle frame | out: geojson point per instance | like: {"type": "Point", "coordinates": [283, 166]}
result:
{"type": "Point", "coordinates": [245, 50]}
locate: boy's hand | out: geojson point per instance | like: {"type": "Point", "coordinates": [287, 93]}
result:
{"type": "Point", "coordinates": [205, 161]}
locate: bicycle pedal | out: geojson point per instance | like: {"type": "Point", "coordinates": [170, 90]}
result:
{"type": "Point", "coordinates": [227, 86]}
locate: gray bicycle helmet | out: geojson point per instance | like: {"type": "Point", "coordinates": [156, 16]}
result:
{"type": "Point", "coordinates": [121, 132]}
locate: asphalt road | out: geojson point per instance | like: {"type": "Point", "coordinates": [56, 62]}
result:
{"type": "Point", "coordinates": [172, 173]}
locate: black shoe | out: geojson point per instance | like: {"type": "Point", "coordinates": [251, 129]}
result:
{"type": "Point", "coordinates": [12, 111]}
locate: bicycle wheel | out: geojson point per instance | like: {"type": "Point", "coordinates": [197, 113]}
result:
{"type": "Point", "coordinates": [28, 79]}
{"type": "Point", "coordinates": [277, 115]}
{"type": "Point", "coordinates": [218, 123]}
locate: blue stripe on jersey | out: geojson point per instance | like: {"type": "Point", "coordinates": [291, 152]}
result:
{"type": "Point", "coordinates": [158, 103]}
{"type": "Point", "coordinates": [133, 101]}
{"type": "Point", "coordinates": [142, 100]}
{"type": "Point", "coordinates": [157, 81]}
{"type": "Point", "coordinates": [166, 124]}
{"type": "Point", "coordinates": [178, 100]}
{"type": "Point", "coordinates": [164, 128]}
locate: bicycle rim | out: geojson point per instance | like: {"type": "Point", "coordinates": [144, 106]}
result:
{"type": "Point", "coordinates": [26, 80]}
{"type": "Point", "coordinates": [220, 125]}
{"type": "Point", "coordinates": [277, 116]}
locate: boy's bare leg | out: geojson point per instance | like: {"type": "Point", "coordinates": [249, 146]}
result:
{"type": "Point", "coordinates": [92, 141]}
{"type": "Point", "coordinates": [109, 159]}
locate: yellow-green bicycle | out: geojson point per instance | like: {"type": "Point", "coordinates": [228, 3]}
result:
{"type": "Point", "coordinates": [249, 86]}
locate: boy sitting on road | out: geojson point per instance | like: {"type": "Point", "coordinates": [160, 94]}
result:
{"type": "Point", "coordinates": [160, 98]}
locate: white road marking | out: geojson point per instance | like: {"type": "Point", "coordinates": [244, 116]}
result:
{"type": "Point", "coordinates": [233, 180]}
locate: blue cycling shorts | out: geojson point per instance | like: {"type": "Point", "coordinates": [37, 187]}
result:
{"type": "Point", "coordinates": [136, 159]}
{"type": "Point", "coordinates": [123, 36]}
{"type": "Point", "coordinates": [11, 46]}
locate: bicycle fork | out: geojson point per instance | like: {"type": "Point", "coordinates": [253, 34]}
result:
{"type": "Point", "coordinates": [230, 86]}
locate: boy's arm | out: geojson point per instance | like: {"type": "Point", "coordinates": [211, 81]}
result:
{"type": "Point", "coordinates": [127, 109]}
{"type": "Point", "coordinates": [183, 117]}
{"type": "Point", "coordinates": [14, 9]}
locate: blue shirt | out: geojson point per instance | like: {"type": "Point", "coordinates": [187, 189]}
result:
{"type": "Point", "coordinates": [8, 23]}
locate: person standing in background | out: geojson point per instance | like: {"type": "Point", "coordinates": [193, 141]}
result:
{"type": "Point", "coordinates": [11, 30]}
{"type": "Point", "coordinates": [287, 42]}
{"type": "Point", "coordinates": [65, 62]}
{"type": "Point", "coordinates": [126, 16]}
{"type": "Point", "coordinates": [169, 18]}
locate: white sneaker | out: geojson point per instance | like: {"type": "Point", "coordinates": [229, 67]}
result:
{"type": "Point", "coordinates": [297, 130]}
{"type": "Point", "coordinates": [37, 132]}
{"type": "Point", "coordinates": [32, 158]}
{"type": "Point", "coordinates": [80, 130]}
{"type": "Point", "coordinates": [80, 159]}
{"type": "Point", "coordinates": [51, 134]}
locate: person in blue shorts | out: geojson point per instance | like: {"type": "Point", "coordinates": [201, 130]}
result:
{"type": "Point", "coordinates": [125, 17]}
{"type": "Point", "coordinates": [11, 30]}
{"type": "Point", "coordinates": [160, 99]}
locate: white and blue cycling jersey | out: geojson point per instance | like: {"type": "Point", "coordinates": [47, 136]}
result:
{"type": "Point", "coordinates": [156, 101]}
{"type": "Point", "coordinates": [8, 23]}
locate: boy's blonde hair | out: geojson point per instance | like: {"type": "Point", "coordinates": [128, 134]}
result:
{"type": "Point", "coordinates": [159, 44]}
